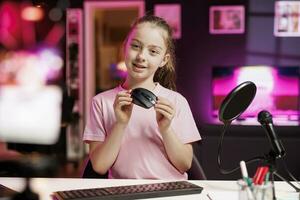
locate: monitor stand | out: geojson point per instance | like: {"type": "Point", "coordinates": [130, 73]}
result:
{"type": "Point", "coordinates": [27, 193]}
{"type": "Point", "coordinates": [27, 167]}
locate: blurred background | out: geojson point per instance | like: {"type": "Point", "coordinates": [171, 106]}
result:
{"type": "Point", "coordinates": [56, 55]}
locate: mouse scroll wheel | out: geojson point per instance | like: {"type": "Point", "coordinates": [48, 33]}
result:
{"type": "Point", "coordinates": [147, 97]}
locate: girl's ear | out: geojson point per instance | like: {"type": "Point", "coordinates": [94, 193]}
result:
{"type": "Point", "coordinates": [165, 60]}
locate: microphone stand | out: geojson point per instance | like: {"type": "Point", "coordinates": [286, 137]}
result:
{"type": "Point", "coordinates": [27, 193]}
{"type": "Point", "coordinates": [270, 159]}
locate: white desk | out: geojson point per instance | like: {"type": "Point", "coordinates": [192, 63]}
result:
{"type": "Point", "coordinates": [217, 190]}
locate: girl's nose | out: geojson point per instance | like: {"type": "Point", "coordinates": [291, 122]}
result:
{"type": "Point", "coordinates": [141, 56]}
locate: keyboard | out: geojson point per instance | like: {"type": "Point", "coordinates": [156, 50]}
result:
{"type": "Point", "coordinates": [6, 193]}
{"type": "Point", "coordinates": [131, 191]}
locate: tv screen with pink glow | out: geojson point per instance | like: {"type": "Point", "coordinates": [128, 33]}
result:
{"type": "Point", "coordinates": [277, 91]}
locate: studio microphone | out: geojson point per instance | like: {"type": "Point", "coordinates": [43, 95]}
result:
{"type": "Point", "coordinates": [265, 119]}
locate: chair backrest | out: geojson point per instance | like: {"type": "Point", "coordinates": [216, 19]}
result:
{"type": "Point", "coordinates": [89, 172]}
{"type": "Point", "coordinates": [194, 173]}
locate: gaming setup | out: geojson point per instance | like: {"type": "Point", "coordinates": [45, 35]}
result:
{"type": "Point", "coordinates": [231, 108]}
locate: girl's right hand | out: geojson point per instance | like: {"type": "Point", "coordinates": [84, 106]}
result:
{"type": "Point", "coordinates": [123, 107]}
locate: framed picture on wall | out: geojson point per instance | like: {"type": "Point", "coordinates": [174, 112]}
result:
{"type": "Point", "coordinates": [287, 18]}
{"type": "Point", "coordinates": [227, 19]}
{"type": "Point", "coordinates": [172, 14]}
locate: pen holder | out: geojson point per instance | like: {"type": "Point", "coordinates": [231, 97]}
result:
{"type": "Point", "coordinates": [255, 192]}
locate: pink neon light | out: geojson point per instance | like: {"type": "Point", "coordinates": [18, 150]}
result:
{"type": "Point", "coordinates": [9, 24]}
{"type": "Point", "coordinates": [55, 34]}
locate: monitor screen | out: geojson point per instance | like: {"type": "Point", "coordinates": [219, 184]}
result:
{"type": "Point", "coordinates": [277, 91]}
{"type": "Point", "coordinates": [30, 101]}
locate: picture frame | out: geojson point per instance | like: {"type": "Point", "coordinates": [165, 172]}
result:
{"type": "Point", "coordinates": [227, 19]}
{"type": "Point", "coordinates": [172, 14]}
{"type": "Point", "coordinates": [287, 19]}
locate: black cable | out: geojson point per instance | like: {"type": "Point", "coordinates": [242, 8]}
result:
{"type": "Point", "coordinates": [288, 182]}
{"type": "Point", "coordinates": [289, 173]}
{"type": "Point", "coordinates": [224, 171]}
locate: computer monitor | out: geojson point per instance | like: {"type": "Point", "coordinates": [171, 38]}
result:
{"type": "Point", "coordinates": [30, 98]}
{"type": "Point", "coordinates": [277, 91]}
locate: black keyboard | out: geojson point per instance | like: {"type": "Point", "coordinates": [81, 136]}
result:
{"type": "Point", "coordinates": [131, 191]}
{"type": "Point", "coordinates": [6, 193]}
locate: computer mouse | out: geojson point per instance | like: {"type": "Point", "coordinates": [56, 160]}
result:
{"type": "Point", "coordinates": [143, 97]}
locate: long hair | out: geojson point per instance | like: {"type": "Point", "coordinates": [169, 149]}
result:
{"type": "Point", "coordinates": [166, 75]}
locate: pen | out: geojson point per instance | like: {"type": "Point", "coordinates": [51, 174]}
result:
{"type": "Point", "coordinates": [267, 178]}
{"type": "Point", "coordinates": [260, 175]}
{"type": "Point", "coordinates": [265, 183]}
{"type": "Point", "coordinates": [247, 180]}
{"type": "Point", "coordinates": [244, 169]}
{"type": "Point", "coordinates": [245, 173]}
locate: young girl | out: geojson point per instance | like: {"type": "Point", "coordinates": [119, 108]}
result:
{"type": "Point", "coordinates": [133, 142]}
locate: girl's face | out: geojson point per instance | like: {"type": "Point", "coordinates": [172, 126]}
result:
{"type": "Point", "coordinates": [145, 51]}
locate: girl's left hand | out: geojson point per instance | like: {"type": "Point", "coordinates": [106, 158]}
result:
{"type": "Point", "coordinates": [165, 112]}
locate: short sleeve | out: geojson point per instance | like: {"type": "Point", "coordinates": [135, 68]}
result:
{"type": "Point", "coordinates": [184, 124]}
{"type": "Point", "coordinates": [94, 129]}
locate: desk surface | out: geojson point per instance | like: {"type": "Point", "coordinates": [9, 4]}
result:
{"type": "Point", "coordinates": [217, 190]}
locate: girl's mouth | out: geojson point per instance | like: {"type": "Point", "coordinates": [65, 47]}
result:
{"type": "Point", "coordinates": [138, 66]}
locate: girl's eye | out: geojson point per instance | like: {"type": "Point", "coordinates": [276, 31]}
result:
{"type": "Point", "coordinates": [154, 52]}
{"type": "Point", "coordinates": [135, 46]}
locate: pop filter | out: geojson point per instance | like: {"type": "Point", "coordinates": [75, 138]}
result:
{"type": "Point", "coordinates": [234, 104]}
{"type": "Point", "coordinates": [237, 101]}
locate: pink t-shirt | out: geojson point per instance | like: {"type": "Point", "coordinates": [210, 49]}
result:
{"type": "Point", "coordinates": [142, 154]}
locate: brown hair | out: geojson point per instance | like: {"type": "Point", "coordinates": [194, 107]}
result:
{"type": "Point", "coordinates": [166, 75]}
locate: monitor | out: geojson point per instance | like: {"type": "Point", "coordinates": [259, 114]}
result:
{"type": "Point", "coordinates": [30, 98]}
{"type": "Point", "coordinates": [277, 91]}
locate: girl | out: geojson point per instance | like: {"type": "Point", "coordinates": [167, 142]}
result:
{"type": "Point", "coordinates": [130, 141]}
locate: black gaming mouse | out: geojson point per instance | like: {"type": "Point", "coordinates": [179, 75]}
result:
{"type": "Point", "coordinates": [143, 97]}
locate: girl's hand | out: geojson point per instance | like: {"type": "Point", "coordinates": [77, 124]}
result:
{"type": "Point", "coordinates": [165, 112]}
{"type": "Point", "coordinates": [123, 107]}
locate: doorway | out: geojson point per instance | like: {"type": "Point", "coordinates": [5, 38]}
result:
{"type": "Point", "coordinates": [106, 26]}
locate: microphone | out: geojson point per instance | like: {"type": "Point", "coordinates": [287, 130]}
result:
{"type": "Point", "coordinates": [265, 119]}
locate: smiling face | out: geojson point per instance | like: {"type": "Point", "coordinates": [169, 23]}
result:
{"type": "Point", "coordinates": [145, 52]}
